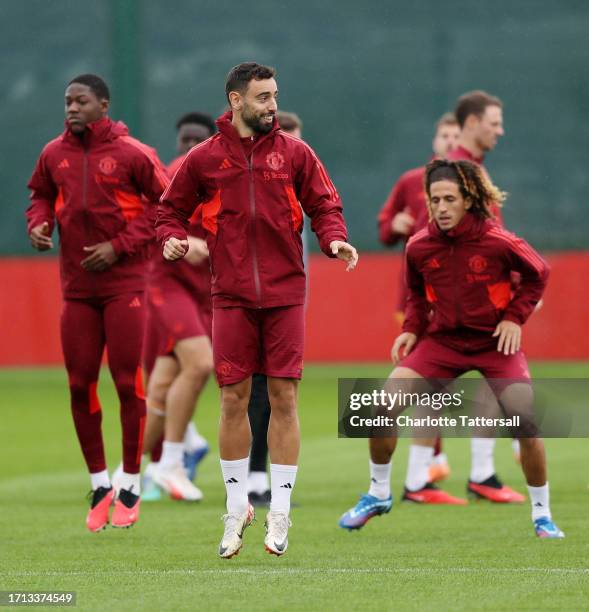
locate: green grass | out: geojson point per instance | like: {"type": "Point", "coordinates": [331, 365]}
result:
{"type": "Point", "coordinates": [474, 557]}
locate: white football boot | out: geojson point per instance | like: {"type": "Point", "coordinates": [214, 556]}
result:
{"type": "Point", "coordinates": [276, 540]}
{"type": "Point", "coordinates": [235, 525]}
{"type": "Point", "coordinates": [176, 483]}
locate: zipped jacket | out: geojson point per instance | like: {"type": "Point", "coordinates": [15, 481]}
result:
{"type": "Point", "coordinates": [100, 187]}
{"type": "Point", "coordinates": [459, 282]}
{"type": "Point", "coordinates": [251, 213]}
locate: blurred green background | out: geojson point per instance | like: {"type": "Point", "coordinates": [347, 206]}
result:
{"type": "Point", "coordinates": [368, 79]}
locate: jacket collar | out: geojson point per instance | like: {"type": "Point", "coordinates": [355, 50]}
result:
{"type": "Point", "coordinates": [102, 130]}
{"type": "Point", "coordinates": [461, 153]}
{"type": "Point", "coordinates": [469, 227]}
{"type": "Point", "coordinates": [227, 129]}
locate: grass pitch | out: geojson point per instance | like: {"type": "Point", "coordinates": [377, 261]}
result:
{"type": "Point", "coordinates": [480, 556]}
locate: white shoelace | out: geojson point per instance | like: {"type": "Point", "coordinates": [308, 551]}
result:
{"type": "Point", "coordinates": [278, 524]}
{"type": "Point", "coordinates": [232, 522]}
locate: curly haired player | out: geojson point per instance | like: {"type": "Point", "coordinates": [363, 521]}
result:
{"type": "Point", "coordinates": [462, 316]}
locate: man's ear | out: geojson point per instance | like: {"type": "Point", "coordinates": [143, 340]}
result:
{"type": "Point", "coordinates": [235, 100]}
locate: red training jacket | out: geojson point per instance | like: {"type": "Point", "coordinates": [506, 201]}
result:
{"type": "Point", "coordinates": [407, 195]}
{"type": "Point", "coordinates": [251, 213]}
{"type": "Point", "coordinates": [92, 186]}
{"type": "Point", "coordinates": [462, 279]}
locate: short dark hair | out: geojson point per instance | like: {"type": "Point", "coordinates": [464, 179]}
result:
{"type": "Point", "coordinates": [289, 121]}
{"type": "Point", "coordinates": [239, 76]}
{"type": "Point", "coordinates": [95, 83]}
{"type": "Point", "coordinates": [474, 103]}
{"type": "Point", "coordinates": [199, 119]}
{"type": "Point", "coordinates": [446, 119]}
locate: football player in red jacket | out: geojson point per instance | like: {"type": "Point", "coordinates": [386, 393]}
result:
{"type": "Point", "coordinates": [461, 316]}
{"type": "Point", "coordinates": [403, 214]}
{"type": "Point", "coordinates": [251, 180]}
{"type": "Point", "coordinates": [100, 186]}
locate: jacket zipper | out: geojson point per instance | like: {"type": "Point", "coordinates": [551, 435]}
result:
{"type": "Point", "coordinates": [455, 284]}
{"type": "Point", "coordinates": [85, 192]}
{"type": "Point", "coordinates": [250, 165]}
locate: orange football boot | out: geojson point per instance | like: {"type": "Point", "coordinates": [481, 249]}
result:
{"type": "Point", "coordinates": [102, 499]}
{"type": "Point", "coordinates": [126, 512]}
{"type": "Point", "coordinates": [430, 494]}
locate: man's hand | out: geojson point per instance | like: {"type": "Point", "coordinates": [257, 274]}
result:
{"type": "Point", "coordinates": [40, 238]}
{"type": "Point", "coordinates": [408, 340]}
{"type": "Point", "coordinates": [175, 249]}
{"type": "Point", "coordinates": [346, 252]}
{"type": "Point", "coordinates": [101, 256]}
{"type": "Point", "coordinates": [510, 337]}
{"type": "Point", "coordinates": [402, 223]}
{"type": "Point", "coordinates": [197, 250]}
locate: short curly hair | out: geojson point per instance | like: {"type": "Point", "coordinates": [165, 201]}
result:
{"type": "Point", "coordinates": [472, 182]}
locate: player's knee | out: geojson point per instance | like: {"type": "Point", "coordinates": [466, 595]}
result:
{"type": "Point", "coordinates": [126, 388]}
{"type": "Point", "coordinates": [527, 430]}
{"type": "Point", "coordinates": [283, 400]}
{"type": "Point", "coordinates": [156, 393]}
{"type": "Point", "coordinates": [199, 368]}
{"type": "Point", "coordinates": [80, 394]}
{"type": "Point", "coordinates": [234, 403]}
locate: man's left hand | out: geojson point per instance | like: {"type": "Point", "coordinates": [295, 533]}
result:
{"type": "Point", "coordinates": [510, 337]}
{"type": "Point", "coordinates": [101, 256]}
{"type": "Point", "coordinates": [345, 252]}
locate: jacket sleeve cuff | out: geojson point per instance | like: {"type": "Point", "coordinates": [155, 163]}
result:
{"type": "Point", "coordinates": [324, 243]}
{"type": "Point", "coordinates": [34, 221]}
{"type": "Point", "coordinates": [511, 316]}
{"type": "Point", "coordinates": [117, 245]}
{"type": "Point", "coordinates": [413, 327]}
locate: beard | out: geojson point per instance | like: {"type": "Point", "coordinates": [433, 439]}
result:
{"type": "Point", "coordinates": [255, 122]}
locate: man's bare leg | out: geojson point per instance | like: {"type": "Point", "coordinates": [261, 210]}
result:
{"type": "Point", "coordinates": [194, 365]}
{"type": "Point", "coordinates": [195, 359]}
{"type": "Point", "coordinates": [164, 371]}
{"type": "Point", "coordinates": [235, 438]}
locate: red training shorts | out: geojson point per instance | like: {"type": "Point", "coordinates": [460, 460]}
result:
{"type": "Point", "coordinates": [173, 314]}
{"type": "Point", "coordinates": [262, 341]}
{"type": "Point", "coordinates": [431, 359]}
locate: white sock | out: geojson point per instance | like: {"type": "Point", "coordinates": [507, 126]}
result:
{"type": "Point", "coordinates": [150, 469]}
{"type": "Point", "coordinates": [380, 479]}
{"type": "Point", "coordinates": [235, 479]}
{"type": "Point", "coordinates": [515, 446]}
{"type": "Point", "coordinates": [131, 482]}
{"type": "Point", "coordinates": [282, 480]}
{"type": "Point", "coordinates": [257, 482]}
{"type": "Point", "coordinates": [439, 459]}
{"type": "Point", "coordinates": [172, 455]}
{"type": "Point", "coordinates": [192, 439]}
{"type": "Point", "coordinates": [482, 465]}
{"type": "Point", "coordinates": [420, 458]}
{"type": "Point", "coordinates": [100, 479]}
{"type": "Point", "coordinates": [540, 500]}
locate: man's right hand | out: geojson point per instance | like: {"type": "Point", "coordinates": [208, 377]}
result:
{"type": "Point", "coordinates": [175, 249]}
{"type": "Point", "coordinates": [402, 223]}
{"type": "Point", "coordinates": [40, 237]}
